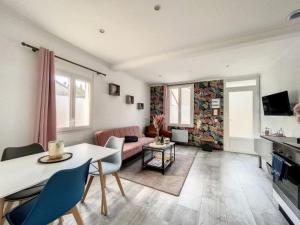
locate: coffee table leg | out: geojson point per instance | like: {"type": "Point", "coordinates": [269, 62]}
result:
{"type": "Point", "coordinates": [163, 162]}
{"type": "Point", "coordinates": [174, 151]}
{"type": "Point", "coordinates": [143, 156]}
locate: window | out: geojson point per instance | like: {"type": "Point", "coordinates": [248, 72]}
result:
{"type": "Point", "coordinates": [240, 83]}
{"type": "Point", "coordinates": [73, 101]}
{"type": "Point", "coordinates": [181, 106]}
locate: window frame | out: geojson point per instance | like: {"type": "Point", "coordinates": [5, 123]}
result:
{"type": "Point", "coordinates": [179, 87]}
{"type": "Point", "coordinates": [73, 77]}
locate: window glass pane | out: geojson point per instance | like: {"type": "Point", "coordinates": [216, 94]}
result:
{"type": "Point", "coordinates": [185, 105]}
{"type": "Point", "coordinates": [62, 85]}
{"type": "Point", "coordinates": [82, 103]}
{"type": "Point", "coordinates": [240, 83]}
{"type": "Point", "coordinates": [174, 105]}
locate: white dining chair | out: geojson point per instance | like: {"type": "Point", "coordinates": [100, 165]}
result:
{"type": "Point", "coordinates": [110, 165]}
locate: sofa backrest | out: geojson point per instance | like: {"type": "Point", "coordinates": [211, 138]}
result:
{"type": "Point", "coordinates": [102, 136]}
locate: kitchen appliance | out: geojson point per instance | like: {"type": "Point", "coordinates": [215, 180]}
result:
{"type": "Point", "coordinates": [288, 187]}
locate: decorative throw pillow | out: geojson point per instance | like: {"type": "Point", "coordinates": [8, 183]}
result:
{"type": "Point", "coordinates": [131, 139]}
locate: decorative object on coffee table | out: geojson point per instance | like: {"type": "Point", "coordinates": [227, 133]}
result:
{"type": "Point", "coordinates": [158, 156]}
{"type": "Point", "coordinates": [129, 99]}
{"type": "Point", "coordinates": [158, 121]}
{"type": "Point", "coordinates": [150, 131]}
{"type": "Point", "coordinates": [140, 105]}
{"type": "Point", "coordinates": [114, 89]}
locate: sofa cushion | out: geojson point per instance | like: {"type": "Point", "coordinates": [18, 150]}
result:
{"type": "Point", "coordinates": [129, 139]}
{"type": "Point", "coordinates": [129, 149]}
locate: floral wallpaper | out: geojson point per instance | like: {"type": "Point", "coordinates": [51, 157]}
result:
{"type": "Point", "coordinates": [156, 101]}
{"type": "Point", "coordinates": [205, 124]}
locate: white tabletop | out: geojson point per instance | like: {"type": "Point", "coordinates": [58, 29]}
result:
{"type": "Point", "coordinates": [18, 174]}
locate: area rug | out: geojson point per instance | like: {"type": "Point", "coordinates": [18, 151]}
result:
{"type": "Point", "coordinates": [173, 180]}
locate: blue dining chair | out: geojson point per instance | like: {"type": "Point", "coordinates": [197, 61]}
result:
{"type": "Point", "coordinates": [59, 197]}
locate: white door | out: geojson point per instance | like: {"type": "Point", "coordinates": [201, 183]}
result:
{"type": "Point", "coordinates": [241, 115]}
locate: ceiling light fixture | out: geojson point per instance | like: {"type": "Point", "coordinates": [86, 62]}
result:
{"type": "Point", "coordinates": [157, 7]}
{"type": "Point", "coordinates": [102, 31]}
{"type": "Point", "coordinates": [294, 15]}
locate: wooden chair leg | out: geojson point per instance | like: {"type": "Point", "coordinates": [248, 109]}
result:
{"type": "Point", "coordinates": [77, 216]}
{"type": "Point", "coordinates": [60, 221]}
{"type": "Point", "coordinates": [102, 188]}
{"type": "Point", "coordinates": [7, 207]}
{"type": "Point", "coordinates": [104, 180]}
{"type": "Point", "coordinates": [119, 183]}
{"type": "Point", "coordinates": [1, 211]}
{"type": "Point", "coordinates": [87, 188]}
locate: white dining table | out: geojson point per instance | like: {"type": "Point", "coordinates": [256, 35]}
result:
{"type": "Point", "coordinates": [21, 173]}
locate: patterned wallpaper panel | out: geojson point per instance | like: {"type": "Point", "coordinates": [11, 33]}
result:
{"type": "Point", "coordinates": [210, 126]}
{"type": "Point", "coordinates": [156, 101]}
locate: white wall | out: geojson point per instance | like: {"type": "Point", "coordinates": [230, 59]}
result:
{"type": "Point", "coordinates": [18, 85]}
{"type": "Point", "coordinates": [283, 75]}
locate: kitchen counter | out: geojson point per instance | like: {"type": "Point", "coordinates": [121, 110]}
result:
{"type": "Point", "coordinates": [282, 141]}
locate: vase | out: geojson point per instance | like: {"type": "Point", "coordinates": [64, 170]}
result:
{"type": "Point", "coordinates": [157, 138]}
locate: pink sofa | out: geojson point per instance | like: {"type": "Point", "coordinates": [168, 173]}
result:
{"type": "Point", "coordinates": [129, 149]}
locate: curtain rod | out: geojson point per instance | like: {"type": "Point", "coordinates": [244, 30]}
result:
{"type": "Point", "coordinates": [35, 49]}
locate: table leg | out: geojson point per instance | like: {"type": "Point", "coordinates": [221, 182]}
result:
{"type": "Point", "coordinates": [1, 210]}
{"type": "Point", "coordinates": [163, 162]}
{"type": "Point", "coordinates": [143, 157]}
{"type": "Point", "coordinates": [174, 151]}
{"type": "Point", "coordinates": [259, 162]}
{"type": "Point", "coordinates": [102, 187]}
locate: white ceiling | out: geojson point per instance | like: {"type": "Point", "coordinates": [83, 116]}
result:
{"type": "Point", "coordinates": [174, 42]}
{"type": "Point", "coordinates": [249, 60]}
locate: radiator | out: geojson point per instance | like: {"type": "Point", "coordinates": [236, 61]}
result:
{"type": "Point", "coordinates": [180, 135]}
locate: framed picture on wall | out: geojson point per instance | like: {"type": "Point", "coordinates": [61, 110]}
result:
{"type": "Point", "coordinates": [140, 105]}
{"type": "Point", "coordinates": [215, 103]}
{"type": "Point", "coordinates": [114, 89]}
{"type": "Point", "coordinates": [216, 112]}
{"type": "Point", "coordinates": [129, 99]}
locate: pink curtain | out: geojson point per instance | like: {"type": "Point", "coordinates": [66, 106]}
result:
{"type": "Point", "coordinates": [166, 107]}
{"type": "Point", "coordinates": [46, 105]}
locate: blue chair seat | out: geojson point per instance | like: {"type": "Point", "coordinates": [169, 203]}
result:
{"type": "Point", "coordinates": [26, 193]}
{"type": "Point", "coordinates": [20, 213]}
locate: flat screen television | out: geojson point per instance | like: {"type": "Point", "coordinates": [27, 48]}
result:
{"type": "Point", "coordinates": [277, 104]}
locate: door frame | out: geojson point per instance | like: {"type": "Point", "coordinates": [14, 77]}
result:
{"type": "Point", "coordinates": [256, 105]}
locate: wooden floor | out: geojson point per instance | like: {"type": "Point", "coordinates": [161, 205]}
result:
{"type": "Point", "coordinates": [221, 188]}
